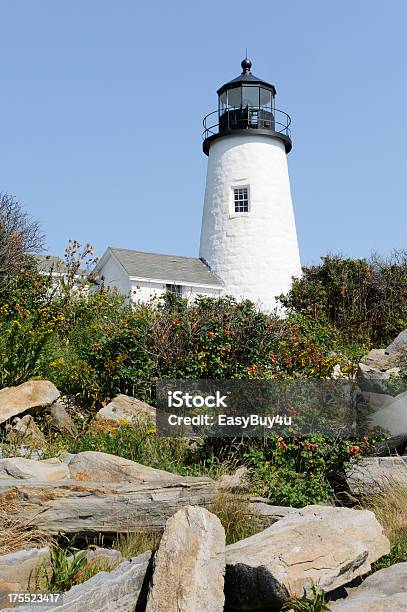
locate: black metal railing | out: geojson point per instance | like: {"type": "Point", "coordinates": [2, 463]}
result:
{"type": "Point", "coordinates": [250, 117]}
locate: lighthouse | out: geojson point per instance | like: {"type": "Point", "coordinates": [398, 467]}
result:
{"type": "Point", "coordinates": [248, 233]}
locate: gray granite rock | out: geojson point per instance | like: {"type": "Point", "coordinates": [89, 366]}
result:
{"type": "Point", "coordinates": [398, 343]}
{"type": "Point", "coordinates": [34, 395]}
{"type": "Point", "coordinates": [61, 420]}
{"type": "Point", "coordinates": [19, 571]}
{"type": "Point", "coordinates": [189, 566]}
{"type": "Point", "coordinates": [122, 590]}
{"type": "Point", "coordinates": [126, 408]}
{"type": "Point", "coordinates": [314, 545]}
{"type": "Point", "coordinates": [373, 474]}
{"type": "Point", "coordinates": [22, 468]}
{"type": "Point", "coordinates": [94, 466]}
{"type": "Point", "coordinates": [383, 591]}
{"type": "Point", "coordinates": [70, 506]}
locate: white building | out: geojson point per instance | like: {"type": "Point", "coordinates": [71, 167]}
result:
{"type": "Point", "coordinates": [248, 246]}
{"type": "Point", "coordinates": [57, 269]}
{"type": "Point", "coordinates": [146, 275]}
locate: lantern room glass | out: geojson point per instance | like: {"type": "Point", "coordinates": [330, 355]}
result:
{"type": "Point", "coordinates": [252, 96]}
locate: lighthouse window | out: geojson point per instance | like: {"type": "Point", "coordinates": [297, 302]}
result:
{"type": "Point", "coordinates": [241, 198]}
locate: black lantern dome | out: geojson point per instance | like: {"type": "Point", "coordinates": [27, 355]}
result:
{"type": "Point", "coordinates": [246, 103]}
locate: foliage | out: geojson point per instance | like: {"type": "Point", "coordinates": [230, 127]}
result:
{"type": "Point", "coordinates": [113, 348]}
{"type": "Point", "coordinates": [366, 300]}
{"type": "Point", "coordinates": [316, 602]}
{"type": "Point", "coordinates": [63, 571]}
{"type": "Point", "coordinates": [139, 444]}
{"type": "Point", "coordinates": [19, 235]}
{"type": "Point", "coordinates": [301, 471]}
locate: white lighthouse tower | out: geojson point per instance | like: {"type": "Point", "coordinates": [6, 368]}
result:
{"type": "Point", "coordinates": [248, 235]}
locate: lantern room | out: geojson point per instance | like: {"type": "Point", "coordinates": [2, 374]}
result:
{"type": "Point", "coordinates": [246, 103]}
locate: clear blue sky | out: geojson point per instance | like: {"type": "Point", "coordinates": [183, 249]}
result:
{"type": "Point", "coordinates": [102, 101]}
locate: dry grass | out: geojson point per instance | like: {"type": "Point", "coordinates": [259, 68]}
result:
{"type": "Point", "coordinates": [17, 533]}
{"type": "Point", "coordinates": [134, 544]}
{"type": "Point", "coordinates": [390, 508]}
{"type": "Point", "coordinates": [233, 512]}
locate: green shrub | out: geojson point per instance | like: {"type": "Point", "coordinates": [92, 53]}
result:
{"type": "Point", "coordinates": [24, 342]}
{"type": "Point", "coordinates": [301, 471]}
{"type": "Point", "coordinates": [365, 299]}
{"type": "Point", "coordinates": [140, 444]}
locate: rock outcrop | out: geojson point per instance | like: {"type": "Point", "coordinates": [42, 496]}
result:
{"type": "Point", "coordinates": [28, 469]}
{"type": "Point", "coordinates": [398, 344]}
{"type": "Point", "coordinates": [19, 571]}
{"type": "Point", "coordinates": [124, 408]}
{"type": "Point", "coordinates": [61, 420]}
{"type": "Point", "coordinates": [190, 564]}
{"type": "Point", "coordinates": [317, 544]}
{"type": "Point", "coordinates": [34, 395]}
{"type": "Point", "coordinates": [374, 474]}
{"type": "Point", "coordinates": [25, 431]}
{"type": "Point", "coordinates": [383, 591]}
{"type": "Point", "coordinates": [93, 466]}
{"type": "Point", "coordinates": [70, 506]}
{"type": "Point", "coordinates": [122, 590]}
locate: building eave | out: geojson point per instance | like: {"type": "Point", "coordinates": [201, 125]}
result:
{"type": "Point", "coordinates": [166, 281]}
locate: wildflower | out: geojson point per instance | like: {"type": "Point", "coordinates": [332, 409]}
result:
{"type": "Point", "coordinates": [353, 450]}
{"type": "Point", "coordinates": [310, 446]}
{"type": "Point", "coordinates": [151, 431]}
{"type": "Point", "coordinates": [282, 444]}
{"type": "Point", "coordinates": [226, 331]}
{"type": "Point", "coordinates": [252, 369]}
{"type": "Point", "coordinates": [211, 334]}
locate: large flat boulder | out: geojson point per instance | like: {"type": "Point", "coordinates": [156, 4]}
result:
{"type": "Point", "coordinates": [28, 469]}
{"type": "Point", "coordinates": [375, 474]}
{"type": "Point", "coordinates": [93, 466]}
{"type": "Point", "coordinates": [33, 395]}
{"type": "Point", "coordinates": [317, 544]}
{"type": "Point", "coordinates": [124, 408]}
{"type": "Point", "coordinates": [190, 564]}
{"type": "Point", "coordinates": [70, 506]}
{"type": "Point", "coordinates": [19, 571]}
{"type": "Point", "coordinates": [383, 591]}
{"type": "Point", "coordinates": [122, 590]}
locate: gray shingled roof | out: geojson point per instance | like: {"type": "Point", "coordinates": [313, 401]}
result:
{"type": "Point", "coordinates": [173, 268]}
{"type": "Point", "coordinates": [52, 263]}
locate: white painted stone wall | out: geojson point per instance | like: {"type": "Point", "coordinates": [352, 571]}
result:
{"type": "Point", "coordinates": [255, 253]}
